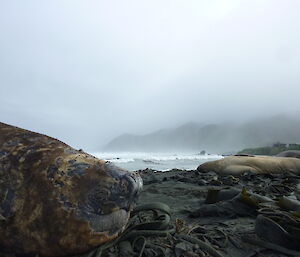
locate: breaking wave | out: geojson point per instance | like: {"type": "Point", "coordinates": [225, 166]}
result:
{"type": "Point", "coordinates": [157, 161]}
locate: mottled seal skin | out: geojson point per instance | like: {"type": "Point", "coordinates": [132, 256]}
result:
{"type": "Point", "coordinates": [55, 200]}
{"type": "Point", "coordinates": [290, 153]}
{"type": "Point", "coordinates": [237, 165]}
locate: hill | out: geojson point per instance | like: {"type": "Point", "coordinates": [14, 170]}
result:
{"type": "Point", "coordinates": [270, 150]}
{"type": "Point", "coordinates": [213, 138]}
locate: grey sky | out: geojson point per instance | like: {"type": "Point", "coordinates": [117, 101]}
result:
{"type": "Point", "coordinates": [86, 71]}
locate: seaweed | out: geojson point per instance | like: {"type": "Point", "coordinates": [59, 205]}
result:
{"type": "Point", "coordinates": [151, 220]}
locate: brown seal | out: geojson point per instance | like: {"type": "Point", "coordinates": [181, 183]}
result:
{"type": "Point", "coordinates": [236, 165]}
{"type": "Point", "coordinates": [55, 200]}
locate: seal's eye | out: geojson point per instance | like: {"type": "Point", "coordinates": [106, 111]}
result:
{"type": "Point", "coordinates": [99, 201]}
{"type": "Point", "coordinates": [96, 198]}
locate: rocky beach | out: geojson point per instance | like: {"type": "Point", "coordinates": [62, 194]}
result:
{"type": "Point", "coordinates": [238, 205]}
{"type": "Point", "coordinates": [213, 215]}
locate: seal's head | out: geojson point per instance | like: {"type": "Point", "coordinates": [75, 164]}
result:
{"type": "Point", "coordinates": [106, 197]}
{"type": "Point", "coordinates": [208, 166]}
{"type": "Point", "coordinates": [96, 196]}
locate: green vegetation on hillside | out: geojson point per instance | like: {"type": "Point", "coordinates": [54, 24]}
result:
{"type": "Point", "coordinates": [271, 150]}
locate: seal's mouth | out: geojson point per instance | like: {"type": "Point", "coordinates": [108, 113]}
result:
{"type": "Point", "coordinates": [111, 223]}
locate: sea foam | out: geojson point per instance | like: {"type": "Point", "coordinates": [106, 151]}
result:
{"type": "Point", "coordinates": [157, 161]}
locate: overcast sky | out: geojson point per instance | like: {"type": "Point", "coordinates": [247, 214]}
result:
{"type": "Point", "coordinates": [86, 71]}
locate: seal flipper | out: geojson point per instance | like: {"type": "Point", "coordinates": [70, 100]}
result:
{"type": "Point", "coordinates": [239, 169]}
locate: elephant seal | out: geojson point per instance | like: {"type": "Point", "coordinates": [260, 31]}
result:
{"type": "Point", "coordinates": [237, 165]}
{"type": "Point", "coordinates": [57, 201]}
{"type": "Point", "coordinates": [290, 153]}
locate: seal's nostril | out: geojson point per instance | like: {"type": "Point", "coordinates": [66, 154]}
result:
{"type": "Point", "coordinates": [135, 185]}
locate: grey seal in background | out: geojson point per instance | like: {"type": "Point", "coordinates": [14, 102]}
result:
{"type": "Point", "coordinates": [290, 153]}
{"type": "Point", "coordinates": [237, 165]}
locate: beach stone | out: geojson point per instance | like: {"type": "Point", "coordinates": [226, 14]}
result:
{"type": "Point", "coordinates": [150, 179]}
{"type": "Point", "coordinates": [186, 180]}
{"type": "Point", "coordinates": [202, 182]}
{"type": "Point", "coordinates": [271, 231]}
{"type": "Point", "coordinates": [181, 248]}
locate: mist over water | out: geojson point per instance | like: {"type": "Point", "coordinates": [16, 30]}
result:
{"type": "Point", "coordinates": [222, 138]}
{"type": "Point", "coordinates": [86, 72]}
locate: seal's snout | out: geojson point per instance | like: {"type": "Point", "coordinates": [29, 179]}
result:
{"type": "Point", "coordinates": [201, 169]}
{"type": "Point", "coordinates": [117, 189]}
{"type": "Point", "coordinates": [135, 186]}
{"type": "Point", "coordinates": [129, 186]}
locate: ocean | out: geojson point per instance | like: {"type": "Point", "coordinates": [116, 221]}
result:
{"type": "Point", "coordinates": [157, 161]}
